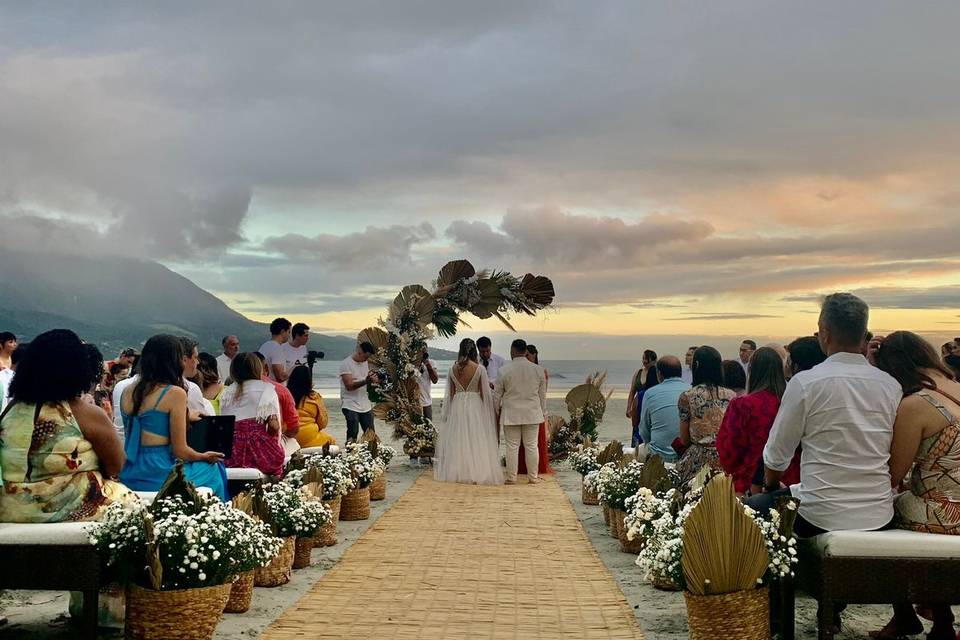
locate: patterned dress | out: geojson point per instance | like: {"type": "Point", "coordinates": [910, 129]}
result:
{"type": "Point", "coordinates": [50, 471]}
{"type": "Point", "coordinates": [702, 407]}
{"type": "Point", "coordinates": [932, 505]}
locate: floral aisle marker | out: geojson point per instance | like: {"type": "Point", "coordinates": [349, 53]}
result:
{"type": "Point", "coordinates": [415, 315]}
{"type": "Point", "coordinates": [584, 461]}
{"type": "Point", "coordinates": [336, 481]}
{"type": "Point", "coordinates": [292, 513]}
{"type": "Point", "coordinates": [586, 403]}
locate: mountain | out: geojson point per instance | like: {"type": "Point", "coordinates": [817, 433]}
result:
{"type": "Point", "coordinates": [119, 302]}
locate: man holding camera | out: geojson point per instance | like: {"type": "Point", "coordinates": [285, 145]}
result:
{"type": "Point", "coordinates": [355, 374]}
{"type": "Point", "coordinates": [295, 350]}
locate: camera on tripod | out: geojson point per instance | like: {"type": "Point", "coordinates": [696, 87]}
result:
{"type": "Point", "coordinates": [312, 357]}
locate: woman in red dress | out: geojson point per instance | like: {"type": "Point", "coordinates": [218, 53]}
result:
{"type": "Point", "coordinates": [544, 462]}
{"type": "Point", "coordinates": [747, 423]}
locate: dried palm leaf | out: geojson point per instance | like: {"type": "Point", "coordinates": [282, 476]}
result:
{"type": "Point", "coordinates": [554, 424]}
{"type": "Point", "coordinates": [451, 273]}
{"type": "Point", "coordinates": [582, 395]}
{"type": "Point", "coordinates": [490, 299]}
{"type": "Point", "coordinates": [723, 549]}
{"type": "Point", "coordinates": [382, 409]}
{"type": "Point", "coordinates": [177, 484]}
{"type": "Point", "coordinates": [154, 566]}
{"type": "Point", "coordinates": [652, 472]}
{"type": "Point", "coordinates": [611, 453]}
{"type": "Point", "coordinates": [378, 338]}
{"type": "Point", "coordinates": [416, 298]}
{"type": "Point", "coordinates": [244, 502]}
{"type": "Point", "coordinates": [537, 291]}
{"type": "Point", "coordinates": [702, 478]}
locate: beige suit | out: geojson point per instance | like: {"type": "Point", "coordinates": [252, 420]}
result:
{"type": "Point", "coordinates": [520, 394]}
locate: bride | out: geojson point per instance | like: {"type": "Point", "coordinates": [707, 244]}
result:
{"type": "Point", "coordinates": [467, 446]}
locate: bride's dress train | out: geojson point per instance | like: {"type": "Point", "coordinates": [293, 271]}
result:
{"type": "Point", "coordinates": [467, 446]}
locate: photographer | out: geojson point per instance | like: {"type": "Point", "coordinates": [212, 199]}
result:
{"type": "Point", "coordinates": [428, 377]}
{"type": "Point", "coordinates": [295, 350]}
{"type": "Point", "coordinates": [355, 374]}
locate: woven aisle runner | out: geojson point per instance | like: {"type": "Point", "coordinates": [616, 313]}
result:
{"type": "Point", "coordinates": [452, 561]}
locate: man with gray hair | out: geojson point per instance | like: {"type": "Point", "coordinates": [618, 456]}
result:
{"type": "Point", "coordinates": [841, 413]}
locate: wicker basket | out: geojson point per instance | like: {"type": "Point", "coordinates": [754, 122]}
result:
{"type": "Point", "coordinates": [634, 546]}
{"type": "Point", "coordinates": [241, 594]}
{"type": "Point", "coordinates": [335, 508]}
{"type": "Point", "coordinates": [160, 614]}
{"type": "Point", "coordinates": [278, 571]}
{"type": "Point", "coordinates": [742, 615]}
{"type": "Point", "coordinates": [302, 549]}
{"type": "Point", "coordinates": [606, 515]}
{"type": "Point", "coordinates": [587, 496]}
{"type": "Point", "coordinates": [618, 529]}
{"type": "Point", "coordinates": [378, 488]}
{"type": "Point", "coordinates": [355, 505]}
{"type": "Point", "coordinates": [663, 583]}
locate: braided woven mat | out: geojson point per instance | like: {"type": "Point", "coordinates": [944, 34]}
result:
{"type": "Point", "coordinates": [452, 561]}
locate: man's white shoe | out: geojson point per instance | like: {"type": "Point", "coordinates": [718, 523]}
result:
{"type": "Point", "coordinates": [535, 480]}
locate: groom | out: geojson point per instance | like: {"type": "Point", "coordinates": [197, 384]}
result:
{"type": "Point", "coordinates": [520, 394]}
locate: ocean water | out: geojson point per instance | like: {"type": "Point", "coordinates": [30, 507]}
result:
{"type": "Point", "coordinates": [564, 375]}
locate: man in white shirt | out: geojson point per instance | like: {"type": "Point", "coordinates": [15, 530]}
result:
{"type": "Point", "coordinates": [428, 378]}
{"type": "Point", "coordinates": [747, 347]}
{"type": "Point", "coordinates": [355, 375]}
{"type": "Point", "coordinates": [521, 396]}
{"type": "Point", "coordinates": [491, 361]}
{"type": "Point", "coordinates": [295, 351]}
{"type": "Point", "coordinates": [273, 350]}
{"type": "Point", "coordinates": [231, 347]}
{"type": "Point", "coordinates": [197, 405]}
{"type": "Point", "coordinates": [687, 374]}
{"type": "Point", "coordinates": [841, 413]}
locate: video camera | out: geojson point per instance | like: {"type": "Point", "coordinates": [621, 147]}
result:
{"type": "Point", "coordinates": [312, 357]}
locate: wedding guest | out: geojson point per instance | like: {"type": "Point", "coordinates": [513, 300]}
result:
{"type": "Point", "coordinates": [952, 362]}
{"type": "Point", "coordinates": [155, 420]}
{"type": "Point", "coordinates": [428, 378]}
{"type": "Point", "coordinates": [272, 350]}
{"type": "Point", "coordinates": [196, 405]}
{"type": "Point", "coordinates": [659, 413]}
{"type": "Point", "coordinates": [295, 350]}
{"type": "Point", "coordinates": [57, 451]}
{"type": "Point", "coordinates": [644, 378]}
{"type": "Point", "coordinates": [491, 361]}
{"type": "Point", "coordinates": [543, 454]}
{"type": "Point", "coordinates": [747, 347]}
{"type": "Point", "coordinates": [6, 375]}
{"type": "Point", "coordinates": [8, 342]}
{"type": "Point", "coordinates": [734, 377]}
{"type": "Point", "coordinates": [747, 422]}
{"type": "Point", "coordinates": [841, 412]}
{"type": "Point", "coordinates": [947, 348]}
{"type": "Point", "coordinates": [253, 399]}
{"type": "Point", "coordinates": [803, 354]}
{"type": "Point", "coordinates": [926, 445]}
{"type": "Point", "coordinates": [701, 412]}
{"type": "Point", "coordinates": [779, 348]}
{"type": "Point", "coordinates": [355, 374]}
{"type": "Point", "coordinates": [312, 412]}
{"type": "Point", "coordinates": [687, 375]}
{"type": "Point", "coordinates": [289, 417]}
{"type": "Point", "coordinates": [208, 379]}
{"type": "Point", "coordinates": [231, 347]}
{"type": "Point", "coordinates": [125, 360]}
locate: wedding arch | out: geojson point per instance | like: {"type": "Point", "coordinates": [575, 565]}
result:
{"type": "Point", "coordinates": [416, 315]}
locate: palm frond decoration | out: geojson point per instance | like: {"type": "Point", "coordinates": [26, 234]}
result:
{"type": "Point", "coordinates": [452, 273]}
{"type": "Point", "coordinates": [415, 300]}
{"type": "Point", "coordinates": [537, 293]}
{"type": "Point", "coordinates": [723, 549]}
{"type": "Point", "coordinates": [177, 484]}
{"type": "Point", "coordinates": [653, 472]}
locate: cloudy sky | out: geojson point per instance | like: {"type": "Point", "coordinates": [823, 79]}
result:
{"type": "Point", "coordinates": [676, 168]}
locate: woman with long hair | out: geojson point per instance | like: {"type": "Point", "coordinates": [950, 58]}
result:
{"type": "Point", "coordinates": [155, 420]}
{"type": "Point", "coordinates": [926, 445]}
{"type": "Point", "coordinates": [644, 378]}
{"type": "Point", "coordinates": [467, 446]}
{"type": "Point", "coordinates": [748, 420]}
{"type": "Point", "coordinates": [734, 376]}
{"type": "Point", "coordinates": [208, 379]}
{"type": "Point", "coordinates": [313, 414]}
{"type": "Point", "coordinates": [701, 413]}
{"type": "Point", "coordinates": [57, 452]}
{"type": "Point", "coordinates": [256, 406]}
{"type": "Point", "coordinates": [543, 462]}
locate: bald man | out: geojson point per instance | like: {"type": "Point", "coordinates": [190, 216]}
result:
{"type": "Point", "coordinates": [659, 415]}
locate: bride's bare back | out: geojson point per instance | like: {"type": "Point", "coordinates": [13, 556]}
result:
{"type": "Point", "coordinates": [464, 374]}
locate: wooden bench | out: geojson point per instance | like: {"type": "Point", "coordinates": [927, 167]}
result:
{"type": "Point", "coordinates": [874, 567]}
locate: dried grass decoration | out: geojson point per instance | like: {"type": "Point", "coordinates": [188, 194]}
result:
{"type": "Point", "coordinates": [416, 315]}
{"type": "Point", "coordinates": [724, 559]}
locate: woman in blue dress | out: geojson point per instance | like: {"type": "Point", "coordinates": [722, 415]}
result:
{"type": "Point", "coordinates": [154, 413]}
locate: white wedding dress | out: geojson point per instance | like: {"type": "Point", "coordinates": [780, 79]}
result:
{"type": "Point", "coordinates": [467, 446]}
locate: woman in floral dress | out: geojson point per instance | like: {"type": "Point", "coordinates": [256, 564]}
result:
{"type": "Point", "coordinates": [701, 413]}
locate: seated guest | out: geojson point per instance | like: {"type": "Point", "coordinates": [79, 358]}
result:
{"type": "Point", "coordinates": [701, 412]}
{"type": "Point", "coordinates": [803, 354]}
{"type": "Point", "coordinates": [842, 413]}
{"type": "Point", "coordinates": [659, 416]}
{"type": "Point", "coordinates": [6, 375]}
{"type": "Point", "coordinates": [747, 422]}
{"type": "Point", "coordinates": [56, 451]}
{"type": "Point", "coordinates": [208, 380]}
{"type": "Point", "coordinates": [734, 377]}
{"type": "Point", "coordinates": [953, 363]}
{"type": "Point", "coordinates": [313, 414]}
{"type": "Point", "coordinates": [155, 421]}
{"type": "Point", "coordinates": [947, 348]}
{"type": "Point", "coordinates": [254, 402]}
{"type": "Point", "coordinates": [8, 343]}
{"type": "Point", "coordinates": [196, 406]}
{"type": "Point", "coordinates": [926, 438]}
{"type": "Point", "coordinates": [289, 417]}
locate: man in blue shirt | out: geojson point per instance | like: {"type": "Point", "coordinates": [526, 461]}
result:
{"type": "Point", "coordinates": [659, 415]}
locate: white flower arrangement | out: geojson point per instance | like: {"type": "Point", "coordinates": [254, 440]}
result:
{"type": "Point", "coordinates": [644, 508]}
{"type": "Point", "coordinates": [337, 480]}
{"type": "Point", "coordinates": [294, 513]}
{"type": "Point", "coordinates": [781, 550]}
{"type": "Point", "coordinates": [176, 544]}
{"type": "Point", "coordinates": [585, 461]}
{"type": "Point", "coordinates": [662, 555]}
{"type": "Point", "coordinates": [385, 454]}
{"type": "Point", "coordinates": [360, 461]}
{"type": "Point", "coordinates": [619, 483]}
